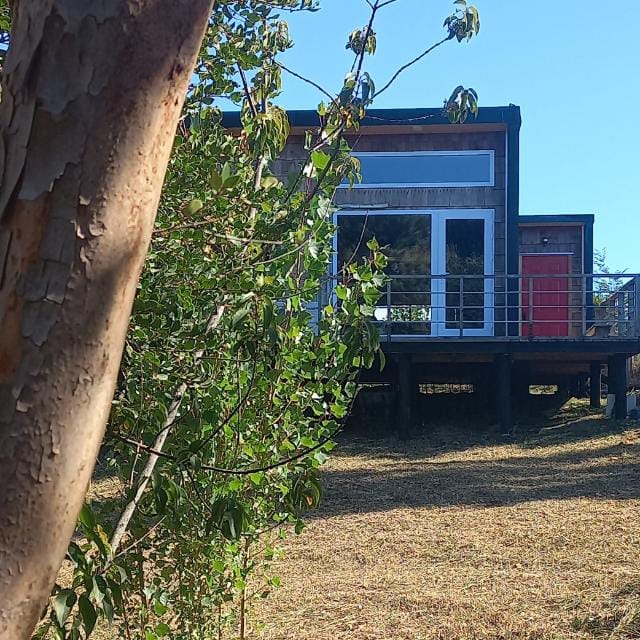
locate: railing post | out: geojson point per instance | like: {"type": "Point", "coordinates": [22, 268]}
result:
{"type": "Point", "coordinates": [507, 307]}
{"type": "Point", "coordinates": [584, 305]}
{"type": "Point", "coordinates": [530, 305]}
{"type": "Point", "coordinates": [636, 305]}
{"type": "Point", "coordinates": [460, 304]}
{"type": "Point", "coordinates": [619, 307]}
{"type": "Point", "coordinates": [388, 323]}
{"type": "Point", "coordinates": [507, 284]}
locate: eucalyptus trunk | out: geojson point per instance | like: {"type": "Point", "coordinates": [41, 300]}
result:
{"type": "Point", "coordinates": [92, 92]}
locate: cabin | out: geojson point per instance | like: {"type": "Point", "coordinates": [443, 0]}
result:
{"type": "Point", "coordinates": [477, 293]}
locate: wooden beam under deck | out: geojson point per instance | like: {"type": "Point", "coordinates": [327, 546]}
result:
{"type": "Point", "coordinates": [576, 349]}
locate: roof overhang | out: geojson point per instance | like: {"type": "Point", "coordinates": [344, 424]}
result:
{"type": "Point", "coordinates": [557, 220]}
{"type": "Point", "coordinates": [403, 121]}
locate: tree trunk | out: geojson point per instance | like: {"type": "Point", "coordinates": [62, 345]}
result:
{"type": "Point", "coordinates": [91, 97]}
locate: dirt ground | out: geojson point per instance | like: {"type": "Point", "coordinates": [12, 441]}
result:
{"type": "Point", "coordinates": [456, 535]}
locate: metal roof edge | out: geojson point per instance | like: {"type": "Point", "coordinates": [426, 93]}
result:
{"type": "Point", "coordinates": [509, 115]}
{"type": "Point", "coordinates": [545, 218]}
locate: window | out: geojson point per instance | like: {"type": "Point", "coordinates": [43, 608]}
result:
{"type": "Point", "coordinates": [426, 169]}
{"type": "Point", "coordinates": [440, 267]}
{"type": "Point", "coordinates": [406, 239]}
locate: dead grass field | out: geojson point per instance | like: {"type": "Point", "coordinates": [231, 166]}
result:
{"type": "Point", "coordinates": [458, 536]}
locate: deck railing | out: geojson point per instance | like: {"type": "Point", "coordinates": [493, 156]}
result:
{"type": "Point", "coordinates": [517, 307]}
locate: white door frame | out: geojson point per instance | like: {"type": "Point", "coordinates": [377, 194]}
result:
{"type": "Point", "coordinates": [438, 270]}
{"type": "Point", "coordinates": [439, 219]}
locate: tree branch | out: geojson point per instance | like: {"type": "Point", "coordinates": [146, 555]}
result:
{"type": "Point", "coordinates": [156, 450]}
{"type": "Point", "coordinates": [411, 63]}
{"type": "Point", "coordinates": [308, 81]}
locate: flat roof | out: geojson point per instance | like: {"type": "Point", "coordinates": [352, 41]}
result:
{"type": "Point", "coordinates": [562, 218]}
{"type": "Point", "coordinates": [509, 115]}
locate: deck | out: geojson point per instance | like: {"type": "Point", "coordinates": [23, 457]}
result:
{"type": "Point", "coordinates": [559, 308]}
{"type": "Point", "coordinates": [505, 333]}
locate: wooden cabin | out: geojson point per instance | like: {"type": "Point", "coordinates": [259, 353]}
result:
{"type": "Point", "coordinates": [477, 293]}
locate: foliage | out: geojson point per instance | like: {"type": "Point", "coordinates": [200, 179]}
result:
{"type": "Point", "coordinates": [464, 22]}
{"type": "Point", "coordinates": [235, 378]}
{"type": "Point", "coordinates": [5, 27]}
{"type": "Point", "coordinates": [607, 284]}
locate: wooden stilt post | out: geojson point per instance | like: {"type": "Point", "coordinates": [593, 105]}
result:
{"type": "Point", "coordinates": [416, 397]}
{"type": "Point", "coordinates": [521, 374]}
{"type": "Point", "coordinates": [582, 386]}
{"type": "Point", "coordinates": [618, 384]}
{"type": "Point", "coordinates": [503, 400]}
{"type": "Point", "coordinates": [563, 391]}
{"type": "Point", "coordinates": [574, 387]}
{"type": "Point", "coordinates": [405, 397]}
{"type": "Point", "coordinates": [595, 385]}
{"type": "Point", "coordinates": [484, 390]}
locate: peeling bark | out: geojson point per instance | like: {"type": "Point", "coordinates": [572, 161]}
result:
{"type": "Point", "coordinates": [91, 97]}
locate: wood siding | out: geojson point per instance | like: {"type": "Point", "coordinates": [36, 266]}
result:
{"type": "Point", "coordinates": [418, 197]}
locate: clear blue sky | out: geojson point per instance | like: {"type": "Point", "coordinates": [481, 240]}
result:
{"type": "Point", "coordinates": [571, 66]}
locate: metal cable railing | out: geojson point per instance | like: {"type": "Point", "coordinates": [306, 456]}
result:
{"type": "Point", "coordinates": [510, 307]}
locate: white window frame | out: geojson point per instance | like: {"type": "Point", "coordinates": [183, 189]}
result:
{"type": "Point", "coordinates": [439, 219]}
{"type": "Point", "coordinates": [420, 185]}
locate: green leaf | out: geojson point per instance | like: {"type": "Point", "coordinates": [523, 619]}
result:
{"type": "Point", "coordinates": [162, 630]}
{"type": "Point", "coordinates": [215, 180]}
{"type": "Point", "coordinates": [88, 613]}
{"type": "Point", "coordinates": [231, 182]}
{"type": "Point", "coordinates": [320, 160]}
{"type": "Point", "coordinates": [99, 589]}
{"type": "Point", "coordinates": [218, 565]}
{"type": "Point", "coordinates": [338, 410]}
{"type": "Point", "coordinates": [194, 206]}
{"type": "Point", "coordinates": [240, 315]}
{"type": "Point", "coordinates": [314, 249]}
{"type": "Point", "coordinates": [342, 292]}
{"type": "Point", "coordinates": [320, 457]}
{"type": "Point", "coordinates": [86, 517]}
{"type": "Point", "coordinates": [270, 182]}
{"type": "Point", "coordinates": [107, 607]}
{"type": "Point", "coordinates": [62, 604]}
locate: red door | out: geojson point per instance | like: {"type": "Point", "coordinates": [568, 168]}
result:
{"type": "Point", "coordinates": [546, 313]}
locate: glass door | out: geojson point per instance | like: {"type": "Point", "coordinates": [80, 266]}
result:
{"type": "Point", "coordinates": [440, 264]}
{"type": "Point", "coordinates": [464, 257]}
{"type": "Point", "coordinates": [406, 237]}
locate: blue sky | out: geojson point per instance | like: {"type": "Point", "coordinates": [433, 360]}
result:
{"type": "Point", "coordinates": [571, 66]}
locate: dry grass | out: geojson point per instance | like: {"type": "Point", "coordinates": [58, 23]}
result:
{"type": "Point", "coordinates": [457, 536]}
